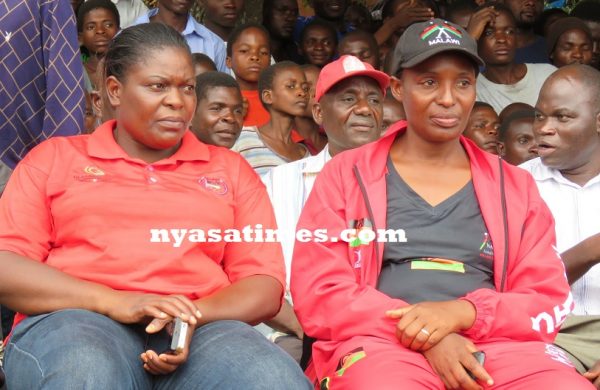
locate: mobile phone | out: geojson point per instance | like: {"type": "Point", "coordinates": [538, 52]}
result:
{"type": "Point", "coordinates": [178, 331]}
{"type": "Point", "coordinates": [480, 357]}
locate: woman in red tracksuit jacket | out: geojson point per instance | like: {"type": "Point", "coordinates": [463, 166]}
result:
{"type": "Point", "coordinates": [367, 339]}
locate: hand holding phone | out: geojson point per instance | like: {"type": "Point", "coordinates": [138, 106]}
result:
{"type": "Point", "coordinates": [480, 357]}
{"type": "Point", "coordinates": [178, 331]}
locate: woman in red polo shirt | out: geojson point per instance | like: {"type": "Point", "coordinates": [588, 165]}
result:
{"type": "Point", "coordinates": [105, 240]}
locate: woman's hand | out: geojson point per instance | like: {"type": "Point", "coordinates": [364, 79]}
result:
{"type": "Point", "coordinates": [152, 309]}
{"type": "Point", "coordinates": [167, 362]}
{"type": "Point", "coordinates": [593, 374]}
{"type": "Point", "coordinates": [451, 358]}
{"type": "Point", "coordinates": [423, 325]}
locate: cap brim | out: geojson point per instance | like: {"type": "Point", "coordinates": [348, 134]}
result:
{"type": "Point", "coordinates": [382, 79]}
{"type": "Point", "coordinates": [430, 53]}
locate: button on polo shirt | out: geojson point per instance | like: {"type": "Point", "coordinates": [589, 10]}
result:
{"type": "Point", "coordinates": [82, 205]}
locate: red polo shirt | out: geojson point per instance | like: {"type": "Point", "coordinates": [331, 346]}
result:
{"type": "Point", "coordinates": [82, 205]}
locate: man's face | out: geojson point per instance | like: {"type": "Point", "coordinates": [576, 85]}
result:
{"type": "Point", "coordinates": [526, 12]}
{"type": "Point", "coordinates": [519, 143]}
{"type": "Point", "coordinates": [497, 45]}
{"type": "Point", "coordinates": [595, 30]}
{"type": "Point", "coordinates": [223, 12]}
{"type": "Point", "coordinates": [566, 124]}
{"type": "Point", "coordinates": [318, 45]}
{"type": "Point", "coordinates": [282, 18]}
{"type": "Point", "coordinates": [219, 118]}
{"type": "Point", "coordinates": [360, 48]}
{"type": "Point", "coordinates": [573, 46]}
{"type": "Point", "coordinates": [482, 128]}
{"type": "Point", "coordinates": [351, 113]}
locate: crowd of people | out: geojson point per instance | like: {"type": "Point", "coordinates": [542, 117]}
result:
{"type": "Point", "coordinates": [443, 158]}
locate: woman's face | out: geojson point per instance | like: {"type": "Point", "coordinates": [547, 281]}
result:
{"type": "Point", "coordinates": [290, 91]}
{"type": "Point", "coordinates": [438, 95]}
{"type": "Point", "coordinates": [155, 101]}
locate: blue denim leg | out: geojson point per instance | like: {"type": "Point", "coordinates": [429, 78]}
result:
{"type": "Point", "coordinates": [75, 349]}
{"type": "Point", "coordinates": [232, 355]}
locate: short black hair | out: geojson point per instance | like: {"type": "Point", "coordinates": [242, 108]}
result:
{"type": "Point", "coordinates": [136, 43]}
{"type": "Point", "coordinates": [201, 58]}
{"type": "Point", "coordinates": [91, 5]}
{"type": "Point", "coordinates": [265, 81]}
{"type": "Point", "coordinates": [480, 104]}
{"type": "Point", "coordinates": [235, 35]}
{"type": "Point", "coordinates": [318, 22]}
{"type": "Point", "coordinates": [523, 113]}
{"type": "Point", "coordinates": [213, 79]}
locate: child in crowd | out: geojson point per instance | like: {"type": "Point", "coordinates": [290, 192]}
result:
{"type": "Point", "coordinates": [219, 112]}
{"type": "Point", "coordinates": [318, 43]}
{"type": "Point", "coordinates": [329, 11]}
{"type": "Point", "coordinates": [97, 23]}
{"type": "Point", "coordinates": [362, 45]}
{"type": "Point", "coordinates": [482, 127]}
{"type": "Point", "coordinates": [284, 93]}
{"type": "Point", "coordinates": [203, 63]}
{"type": "Point", "coordinates": [248, 54]}
{"type": "Point", "coordinates": [314, 139]}
{"type": "Point", "coordinates": [279, 18]}
{"type": "Point", "coordinates": [220, 17]}
{"type": "Point", "coordinates": [517, 143]}
{"type": "Point", "coordinates": [393, 111]}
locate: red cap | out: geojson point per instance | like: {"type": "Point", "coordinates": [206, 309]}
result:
{"type": "Point", "coordinates": [343, 68]}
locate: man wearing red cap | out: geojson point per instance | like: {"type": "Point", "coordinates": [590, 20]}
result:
{"type": "Point", "coordinates": [349, 107]}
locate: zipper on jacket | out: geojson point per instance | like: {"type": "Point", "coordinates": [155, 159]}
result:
{"type": "Point", "coordinates": [505, 223]}
{"type": "Point", "coordinates": [363, 191]}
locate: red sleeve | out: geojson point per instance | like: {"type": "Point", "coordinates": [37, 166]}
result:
{"type": "Point", "coordinates": [25, 218]}
{"type": "Point", "coordinates": [537, 297]}
{"type": "Point", "coordinates": [331, 300]}
{"type": "Point", "coordinates": [252, 207]}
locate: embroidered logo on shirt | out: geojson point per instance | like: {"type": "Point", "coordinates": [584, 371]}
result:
{"type": "Point", "coordinates": [215, 185]}
{"type": "Point", "coordinates": [358, 236]}
{"type": "Point", "coordinates": [91, 173]}
{"type": "Point", "coordinates": [349, 359]}
{"type": "Point", "coordinates": [7, 35]}
{"type": "Point", "coordinates": [94, 171]}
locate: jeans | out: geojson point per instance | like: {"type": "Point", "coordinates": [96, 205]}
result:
{"type": "Point", "coordinates": [78, 349]}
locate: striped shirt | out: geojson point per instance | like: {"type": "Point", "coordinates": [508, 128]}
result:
{"type": "Point", "coordinates": [260, 157]}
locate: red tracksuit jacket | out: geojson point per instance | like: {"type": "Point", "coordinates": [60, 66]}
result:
{"type": "Point", "coordinates": [333, 284]}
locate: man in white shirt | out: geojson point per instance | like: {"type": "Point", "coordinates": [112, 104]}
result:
{"type": "Point", "coordinates": [567, 131]}
{"type": "Point", "coordinates": [504, 81]}
{"type": "Point", "coordinates": [349, 106]}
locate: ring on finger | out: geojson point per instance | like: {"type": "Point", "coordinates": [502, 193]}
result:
{"type": "Point", "coordinates": [423, 330]}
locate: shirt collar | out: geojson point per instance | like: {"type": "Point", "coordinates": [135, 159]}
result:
{"type": "Point", "coordinates": [543, 173]}
{"type": "Point", "coordinates": [315, 164]}
{"type": "Point", "coordinates": [190, 28]}
{"type": "Point", "coordinates": [102, 145]}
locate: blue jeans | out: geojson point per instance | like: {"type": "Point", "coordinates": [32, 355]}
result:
{"type": "Point", "coordinates": [78, 349]}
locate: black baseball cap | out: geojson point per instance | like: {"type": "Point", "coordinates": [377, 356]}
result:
{"type": "Point", "coordinates": [421, 41]}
